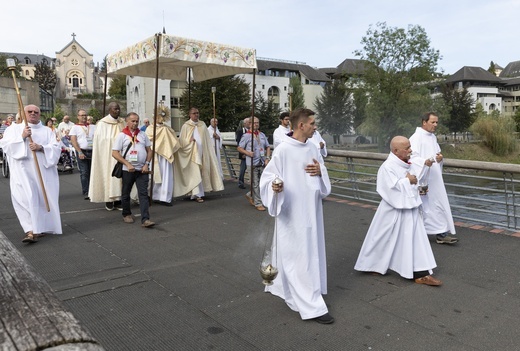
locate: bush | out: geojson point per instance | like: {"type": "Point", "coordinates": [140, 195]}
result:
{"type": "Point", "coordinates": [496, 132]}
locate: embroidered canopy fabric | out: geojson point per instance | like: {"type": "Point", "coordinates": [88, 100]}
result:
{"type": "Point", "coordinates": [207, 60]}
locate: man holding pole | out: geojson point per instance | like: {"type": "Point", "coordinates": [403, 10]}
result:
{"type": "Point", "coordinates": [33, 153]}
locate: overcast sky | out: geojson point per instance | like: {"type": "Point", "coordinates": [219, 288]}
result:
{"type": "Point", "coordinates": [319, 33]}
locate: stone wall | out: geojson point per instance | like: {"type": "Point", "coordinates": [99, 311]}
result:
{"type": "Point", "coordinates": [29, 92]}
{"type": "Point", "coordinates": [71, 106]}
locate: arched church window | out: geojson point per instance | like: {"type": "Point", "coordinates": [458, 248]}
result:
{"type": "Point", "coordinates": [75, 81]}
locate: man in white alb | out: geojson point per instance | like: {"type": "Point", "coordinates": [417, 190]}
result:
{"type": "Point", "coordinates": [216, 141]}
{"type": "Point", "coordinates": [283, 129]}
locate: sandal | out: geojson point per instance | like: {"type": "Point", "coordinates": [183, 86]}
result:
{"type": "Point", "coordinates": [199, 200]}
{"type": "Point", "coordinates": [29, 238]}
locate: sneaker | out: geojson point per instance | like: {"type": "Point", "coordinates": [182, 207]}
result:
{"type": "Point", "coordinates": [241, 186]}
{"type": "Point", "coordinates": [109, 206]}
{"type": "Point", "coordinates": [85, 197]}
{"type": "Point", "coordinates": [68, 168]}
{"type": "Point", "coordinates": [118, 205]}
{"type": "Point", "coordinates": [325, 319]}
{"type": "Point", "coordinates": [448, 239]}
{"type": "Point", "coordinates": [128, 219]}
{"type": "Point", "coordinates": [147, 224]}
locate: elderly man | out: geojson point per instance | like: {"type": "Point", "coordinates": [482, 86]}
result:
{"type": "Point", "coordinates": [196, 148]}
{"type": "Point", "coordinates": [297, 201]}
{"type": "Point", "coordinates": [396, 238]}
{"type": "Point", "coordinates": [65, 126]}
{"type": "Point", "coordinates": [427, 160]}
{"type": "Point", "coordinates": [21, 144]}
{"type": "Point", "coordinates": [216, 141]}
{"type": "Point", "coordinates": [81, 137]}
{"type": "Point", "coordinates": [283, 129]}
{"type": "Point", "coordinates": [103, 187]}
{"type": "Point", "coordinates": [136, 163]}
{"type": "Point", "coordinates": [246, 125]}
{"type": "Point", "coordinates": [255, 146]}
{"type": "Point", "coordinates": [165, 146]}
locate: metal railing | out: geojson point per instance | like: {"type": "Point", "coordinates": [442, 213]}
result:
{"type": "Point", "coordinates": [486, 193]}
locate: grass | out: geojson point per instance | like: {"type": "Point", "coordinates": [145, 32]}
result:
{"type": "Point", "coordinates": [476, 152]}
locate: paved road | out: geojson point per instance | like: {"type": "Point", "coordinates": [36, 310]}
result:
{"type": "Point", "coordinates": [192, 282]}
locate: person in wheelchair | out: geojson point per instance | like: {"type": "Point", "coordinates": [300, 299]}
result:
{"type": "Point", "coordinates": [66, 151]}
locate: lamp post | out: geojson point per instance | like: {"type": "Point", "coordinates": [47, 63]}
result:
{"type": "Point", "coordinates": [290, 92]}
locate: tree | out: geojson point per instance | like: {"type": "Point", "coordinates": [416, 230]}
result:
{"type": "Point", "coordinates": [46, 77]}
{"type": "Point", "coordinates": [232, 101]}
{"type": "Point", "coordinates": [516, 118]}
{"type": "Point", "coordinates": [297, 98]}
{"type": "Point", "coordinates": [492, 68]}
{"type": "Point", "coordinates": [398, 64]}
{"type": "Point", "coordinates": [459, 103]}
{"type": "Point", "coordinates": [335, 109]}
{"type": "Point", "coordinates": [4, 72]}
{"type": "Point", "coordinates": [58, 113]}
{"type": "Point", "coordinates": [267, 112]}
{"type": "Point", "coordinates": [117, 89]}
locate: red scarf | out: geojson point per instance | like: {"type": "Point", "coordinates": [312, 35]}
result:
{"type": "Point", "coordinates": [255, 132]}
{"type": "Point", "coordinates": [133, 135]}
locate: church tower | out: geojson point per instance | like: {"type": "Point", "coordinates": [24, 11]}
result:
{"type": "Point", "coordinates": [75, 71]}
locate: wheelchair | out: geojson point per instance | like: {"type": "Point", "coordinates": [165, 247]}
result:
{"type": "Point", "coordinates": [5, 164]}
{"type": "Point", "coordinates": [68, 160]}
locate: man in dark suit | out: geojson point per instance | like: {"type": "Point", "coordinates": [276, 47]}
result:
{"type": "Point", "coordinates": [241, 131]}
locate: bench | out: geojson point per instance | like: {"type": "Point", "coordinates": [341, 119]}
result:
{"type": "Point", "coordinates": [31, 316]}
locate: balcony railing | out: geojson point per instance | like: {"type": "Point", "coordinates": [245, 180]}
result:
{"type": "Point", "coordinates": [486, 193]}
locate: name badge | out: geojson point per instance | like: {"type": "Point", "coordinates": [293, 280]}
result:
{"type": "Point", "coordinates": [89, 143]}
{"type": "Point", "coordinates": [133, 156]}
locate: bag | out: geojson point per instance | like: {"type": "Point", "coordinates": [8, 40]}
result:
{"type": "Point", "coordinates": [118, 170]}
{"type": "Point", "coordinates": [118, 167]}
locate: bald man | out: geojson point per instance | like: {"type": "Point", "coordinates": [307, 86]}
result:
{"type": "Point", "coordinates": [397, 239]}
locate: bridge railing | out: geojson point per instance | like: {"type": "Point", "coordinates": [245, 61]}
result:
{"type": "Point", "coordinates": [486, 193]}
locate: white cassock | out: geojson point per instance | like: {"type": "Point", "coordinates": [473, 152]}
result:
{"type": "Point", "coordinates": [436, 207]}
{"type": "Point", "coordinates": [396, 238]}
{"type": "Point", "coordinates": [103, 187]}
{"type": "Point", "coordinates": [279, 133]}
{"type": "Point", "coordinates": [300, 244]}
{"type": "Point", "coordinates": [217, 148]}
{"type": "Point", "coordinates": [316, 140]}
{"type": "Point", "coordinates": [26, 191]}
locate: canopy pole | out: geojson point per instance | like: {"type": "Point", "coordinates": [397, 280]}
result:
{"type": "Point", "coordinates": [105, 92]}
{"type": "Point", "coordinates": [189, 88]}
{"type": "Point", "coordinates": [252, 126]}
{"type": "Point", "coordinates": [156, 110]}
{"type": "Point", "coordinates": [213, 91]}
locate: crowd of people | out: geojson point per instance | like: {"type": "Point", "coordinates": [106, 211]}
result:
{"type": "Point", "coordinates": [289, 182]}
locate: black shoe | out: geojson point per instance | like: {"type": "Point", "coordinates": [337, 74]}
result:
{"type": "Point", "coordinates": [241, 186]}
{"type": "Point", "coordinates": [164, 203]}
{"type": "Point", "coordinates": [325, 319]}
{"type": "Point", "coordinates": [118, 205]}
{"type": "Point", "coordinates": [85, 197]}
{"type": "Point", "coordinates": [109, 206]}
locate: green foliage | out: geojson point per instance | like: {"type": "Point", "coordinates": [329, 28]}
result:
{"type": "Point", "coordinates": [399, 62]}
{"type": "Point", "coordinates": [496, 132]}
{"type": "Point", "coordinates": [492, 68]}
{"type": "Point", "coordinates": [459, 104]}
{"type": "Point", "coordinates": [94, 112]}
{"type": "Point", "coordinates": [297, 98]}
{"type": "Point", "coordinates": [117, 89]}
{"type": "Point", "coordinates": [516, 118]}
{"type": "Point", "coordinates": [4, 72]}
{"type": "Point", "coordinates": [267, 112]}
{"type": "Point", "coordinates": [360, 103]}
{"type": "Point", "coordinates": [232, 101]}
{"type": "Point", "coordinates": [335, 109]}
{"type": "Point", "coordinates": [45, 76]}
{"type": "Point", "coordinates": [58, 113]}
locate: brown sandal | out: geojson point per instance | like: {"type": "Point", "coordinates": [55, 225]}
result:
{"type": "Point", "coordinates": [199, 200]}
{"type": "Point", "coordinates": [29, 238]}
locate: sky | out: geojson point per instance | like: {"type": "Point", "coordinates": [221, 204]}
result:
{"type": "Point", "coordinates": [320, 33]}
